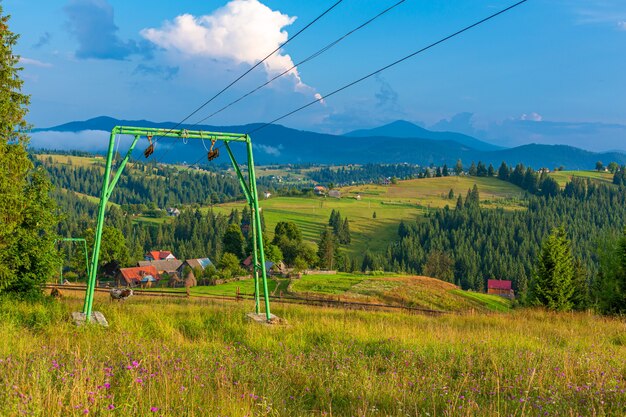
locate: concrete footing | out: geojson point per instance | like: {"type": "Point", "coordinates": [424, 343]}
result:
{"type": "Point", "coordinates": [261, 318]}
{"type": "Point", "coordinates": [80, 318]}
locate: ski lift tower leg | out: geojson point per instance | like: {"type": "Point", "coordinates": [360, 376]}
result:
{"type": "Point", "coordinates": [254, 195]}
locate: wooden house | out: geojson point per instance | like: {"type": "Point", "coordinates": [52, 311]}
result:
{"type": "Point", "coordinates": [159, 255]}
{"type": "Point", "coordinates": [132, 277]}
{"type": "Point", "coordinates": [168, 266]}
{"type": "Point", "coordinates": [500, 287]}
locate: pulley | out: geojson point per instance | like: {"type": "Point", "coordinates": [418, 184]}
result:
{"type": "Point", "coordinates": [150, 149]}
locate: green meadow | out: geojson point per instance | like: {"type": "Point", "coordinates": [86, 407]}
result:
{"type": "Point", "coordinates": [406, 200]}
{"type": "Point", "coordinates": [562, 177]}
{"type": "Point", "coordinates": [163, 357]}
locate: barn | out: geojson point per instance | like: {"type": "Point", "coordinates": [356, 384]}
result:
{"type": "Point", "coordinates": [500, 287]}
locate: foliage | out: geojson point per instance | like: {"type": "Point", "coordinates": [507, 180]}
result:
{"type": "Point", "coordinates": [439, 265]}
{"type": "Point", "coordinates": [288, 238]}
{"type": "Point", "coordinates": [551, 285]}
{"type": "Point", "coordinates": [610, 290]}
{"type": "Point", "coordinates": [27, 213]}
{"type": "Point", "coordinates": [112, 245]}
{"type": "Point", "coordinates": [229, 263]}
{"type": "Point", "coordinates": [233, 240]}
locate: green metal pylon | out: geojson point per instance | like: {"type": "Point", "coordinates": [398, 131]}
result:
{"type": "Point", "coordinates": [249, 189]}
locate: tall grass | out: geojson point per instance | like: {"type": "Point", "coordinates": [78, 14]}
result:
{"type": "Point", "coordinates": [185, 358]}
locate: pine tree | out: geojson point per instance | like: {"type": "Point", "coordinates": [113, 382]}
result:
{"type": "Point", "coordinates": [503, 172]}
{"type": "Point", "coordinates": [27, 254]}
{"type": "Point", "coordinates": [233, 240]}
{"type": "Point", "coordinates": [552, 280]}
{"type": "Point", "coordinates": [327, 249]}
{"type": "Point", "coordinates": [458, 168]}
{"type": "Point", "coordinates": [472, 170]}
{"type": "Point", "coordinates": [344, 233]}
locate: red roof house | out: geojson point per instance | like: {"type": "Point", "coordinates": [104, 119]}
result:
{"type": "Point", "coordinates": [159, 255]}
{"type": "Point", "coordinates": [500, 287]}
{"type": "Point", "coordinates": [133, 276]}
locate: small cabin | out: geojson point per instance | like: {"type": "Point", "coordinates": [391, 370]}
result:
{"type": "Point", "coordinates": [500, 287]}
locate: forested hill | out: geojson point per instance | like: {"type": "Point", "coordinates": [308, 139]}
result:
{"type": "Point", "coordinates": [279, 144]}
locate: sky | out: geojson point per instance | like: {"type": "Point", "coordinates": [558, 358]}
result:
{"type": "Point", "coordinates": [549, 71]}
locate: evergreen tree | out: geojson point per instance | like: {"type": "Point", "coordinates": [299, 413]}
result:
{"type": "Point", "coordinates": [473, 171]}
{"type": "Point", "coordinates": [445, 172]}
{"type": "Point", "coordinates": [554, 272]}
{"type": "Point", "coordinates": [481, 169]}
{"type": "Point", "coordinates": [27, 253]}
{"type": "Point", "coordinates": [344, 233]}
{"type": "Point", "coordinates": [458, 168]}
{"type": "Point", "coordinates": [491, 171]}
{"type": "Point", "coordinates": [233, 240]}
{"type": "Point", "coordinates": [503, 172]}
{"type": "Point", "coordinates": [327, 249]}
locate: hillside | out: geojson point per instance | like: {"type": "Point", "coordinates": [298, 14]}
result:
{"type": "Point", "coordinates": [405, 200]}
{"type": "Point", "coordinates": [280, 144]}
{"type": "Point", "coordinates": [399, 290]}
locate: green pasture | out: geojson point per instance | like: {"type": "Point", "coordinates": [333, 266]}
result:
{"type": "Point", "coordinates": [563, 177]}
{"type": "Point", "coordinates": [406, 200]}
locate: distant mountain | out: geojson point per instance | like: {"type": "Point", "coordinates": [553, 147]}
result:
{"type": "Point", "coordinates": [404, 129]}
{"type": "Point", "coordinates": [279, 144]}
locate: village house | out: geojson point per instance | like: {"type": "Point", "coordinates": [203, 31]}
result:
{"type": "Point", "coordinates": [159, 255]}
{"type": "Point", "coordinates": [139, 275]}
{"type": "Point", "coordinates": [499, 287]}
{"type": "Point", "coordinates": [319, 190]}
{"type": "Point", "coordinates": [267, 194]}
{"type": "Point", "coordinates": [195, 265]}
{"type": "Point", "coordinates": [167, 266]}
{"type": "Point", "coordinates": [270, 267]}
{"type": "Point", "coordinates": [173, 212]}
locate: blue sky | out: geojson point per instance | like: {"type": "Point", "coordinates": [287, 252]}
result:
{"type": "Point", "coordinates": [549, 62]}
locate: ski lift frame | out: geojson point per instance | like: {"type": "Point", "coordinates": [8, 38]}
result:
{"type": "Point", "coordinates": [248, 185]}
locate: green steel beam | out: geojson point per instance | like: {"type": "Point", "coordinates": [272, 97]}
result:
{"type": "Point", "coordinates": [91, 281]}
{"type": "Point", "coordinates": [242, 181]}
{"type": "Point", "coordinates": [178, 133]}
{"type": "Point", "coordinates": [257, 222]}
{"type": "Point", "coordinates": [121, 168]}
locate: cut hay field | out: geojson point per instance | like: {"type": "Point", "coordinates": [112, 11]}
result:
{"type": "Point", "coordinates": [185, 358]}
{"type": "Point", "coordinates": [406, 200]}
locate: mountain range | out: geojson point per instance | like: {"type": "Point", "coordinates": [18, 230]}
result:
{"type": "Point", "coordinates": [397, 142]}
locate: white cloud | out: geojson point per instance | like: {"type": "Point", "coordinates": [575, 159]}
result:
{"type": "Point", "coordinates": [270, 150]}
{"type": "Point", "coordinates": [34, 62]}
{"type": "Point", "coordinates": [533, 117]}
{"type": "Point", "coordinates": [243, 31]}
{"type": "Point", "coordinates": [87, 140]}
{"type": "Point", "coordinates": [621, 25]}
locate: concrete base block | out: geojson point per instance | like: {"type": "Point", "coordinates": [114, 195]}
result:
{"type": "Point", "coordinates": [261, 318]}
{"type": "Point", "coordinates": [97, 317]}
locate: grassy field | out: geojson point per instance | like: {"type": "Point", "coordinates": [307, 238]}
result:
{"type": "Point", "coordinates": [78, 161]}
{"type": "Point", "coordinates": [563, 177]}
{"type": "Point", "coordinates": [403, 290]}
{"type": "Point", "coordinates": [185, 358]}
{"type": "Point", "coordinates": [403, 201]}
